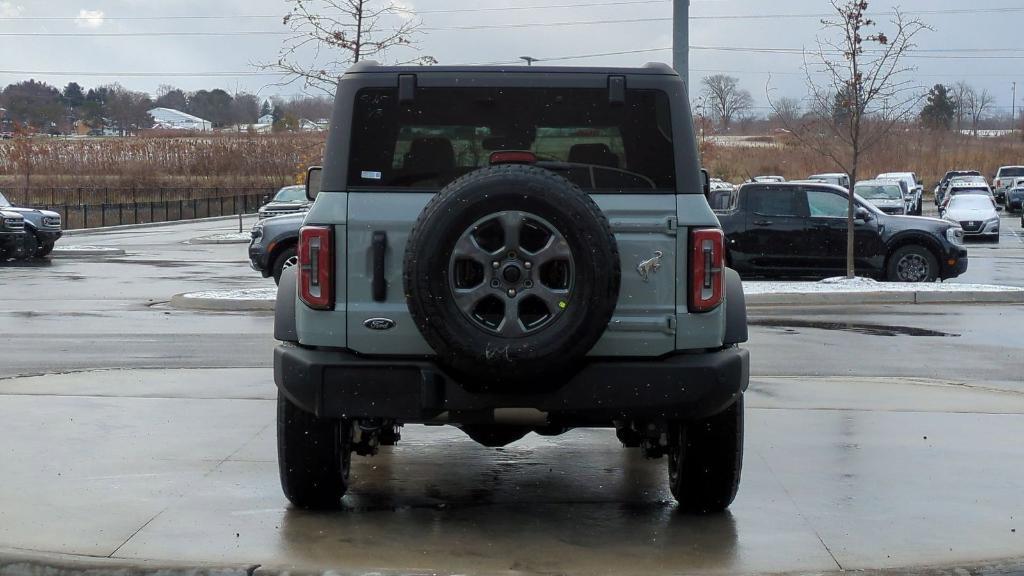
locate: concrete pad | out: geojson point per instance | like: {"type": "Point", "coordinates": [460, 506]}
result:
{"type": "Point", "coordinates": [840, 473]}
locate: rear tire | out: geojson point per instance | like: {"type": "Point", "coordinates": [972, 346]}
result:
{"type": "Point", "coordinates": [913, 263]}
{"type": "Point", "coordinates": [314, 455]}
{"type": "Point", "coordinates": [705, 460]}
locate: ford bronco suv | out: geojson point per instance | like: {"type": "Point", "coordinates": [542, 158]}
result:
{"type": "Point", "coordinates": [511, 250]}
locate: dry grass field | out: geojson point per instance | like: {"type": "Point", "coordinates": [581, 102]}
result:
{"type": "Point", "coordinates": [928, 154]}
{"type": "Point", "coordinates": [199, 161]}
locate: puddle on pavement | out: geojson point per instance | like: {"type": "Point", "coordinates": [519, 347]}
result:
{"type": "Point", "coordinates": [861, 328]}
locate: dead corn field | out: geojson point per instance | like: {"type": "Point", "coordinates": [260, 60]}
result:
{"type": "Point", "coordinates": [151, 162]}
{"type": "Point", "coordinates": [929, 154]}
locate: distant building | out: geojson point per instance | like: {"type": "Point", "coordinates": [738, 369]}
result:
{"type": "Point", "coordinates": [314, 126]}
{"type": "Point", "coordinates": [170, 119]}
{"type": "Point", "coordinates": [266, 119]}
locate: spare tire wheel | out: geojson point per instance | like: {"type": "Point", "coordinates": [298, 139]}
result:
{"type": "Point", "coordinates": [511, 274]}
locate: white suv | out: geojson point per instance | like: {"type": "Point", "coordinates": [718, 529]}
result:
{"type": "Point", "coordinates": [914, 189]}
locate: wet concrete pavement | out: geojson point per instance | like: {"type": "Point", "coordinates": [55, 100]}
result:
{"type": "Point", "coordinates": [840, 474]}
{"type": "Point", "coordinates": [877, 437]}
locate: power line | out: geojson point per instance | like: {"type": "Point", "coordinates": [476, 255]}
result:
{"type": "Point", "coordinates": [938, 12]}
{"type": "Point", "coordinates": [279, 16]}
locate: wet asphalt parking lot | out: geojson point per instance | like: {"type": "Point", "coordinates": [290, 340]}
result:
{"type": "Point", "coordinates": [877, 437]}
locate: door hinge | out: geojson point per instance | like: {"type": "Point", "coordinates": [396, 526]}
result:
{"type": "Point", "coordinates": [670, 324]}
{"type": "Point", "coordinates": [671, 225]}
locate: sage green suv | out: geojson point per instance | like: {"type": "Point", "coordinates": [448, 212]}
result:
{"type": "Point", "coordinates": [511, 250]}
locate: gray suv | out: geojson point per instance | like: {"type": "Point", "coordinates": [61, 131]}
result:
{"type": "Point", "coordinates": [42, 230]}
{"type": "Point", "coordinates": [511, 250]}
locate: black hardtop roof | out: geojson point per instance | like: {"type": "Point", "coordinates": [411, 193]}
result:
{"type": "Point", "coordinates": [372, 67]}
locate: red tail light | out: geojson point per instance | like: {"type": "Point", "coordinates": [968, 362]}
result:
{"type": "Point", "coordinates": [707, 270]}
{"type": "Point", "coordinates": [316, 267]}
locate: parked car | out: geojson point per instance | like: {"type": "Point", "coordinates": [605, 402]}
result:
{"type": "Point", "coordinates": [836, 178]}
{"type": "Point", "coordinates": [1015, 196]}
{"type": "Point", "coordinates": [962, 180]}
{"type": "Point", "coordinates": [886, 195]}
{"type": "Point", "coordinates": [976, 214]}
{"type": "Point", "coordinates": [287, 200]}
{"type": "Point", "coordinates": [914, 186]}
{"type": "Point", "coordinates": [800, 230]}
{"type": "Point", "coordinates": [272, 249]}
{"type": "Point", "coordinates": [489, 290]}
{"type": "Point", "coordinates": [1004, 178]}
{"type": "Point", "coordinates": [42, 230]}
{"type": "Point", "coordinates": [936, 195]}
{"type": "Point", "coordinates": [12, 232]}
{"type": "Point", "coordinates": [961, 187]}
{"type": "Point", "coordinates": [721, 194]}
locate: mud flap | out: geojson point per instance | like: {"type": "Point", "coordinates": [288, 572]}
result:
{"type": "Point", "coordinates": [284, 308]}
{"type": "Point", "coordinates": [735, 310]}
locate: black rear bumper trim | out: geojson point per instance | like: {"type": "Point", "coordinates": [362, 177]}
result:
{"type": "Point", "coordinates": [339, 383]}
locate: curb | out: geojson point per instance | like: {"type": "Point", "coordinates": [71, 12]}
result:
{"type": "Point", "coordinates": [98, 251]}
{"type": "Point", "coordinates": [221, 304]}
{"type": "Point", "coordinates": [15, 561]}
{"type": "Point", "coordinates": [79, 231]}
{"type": "Point", "coordinates": [858, 298]}
{"type": "Point", "coordinates": [57, 564]}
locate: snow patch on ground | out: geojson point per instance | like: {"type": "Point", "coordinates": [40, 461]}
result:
{"type": "Point", "coordinates": [73, 248]}
{"type": "Point", "coordinates": [228, 237]}
{"type": "Point", "coordinates": [235, 294]}
{"type": "Point", "coordinates": [845, 285]}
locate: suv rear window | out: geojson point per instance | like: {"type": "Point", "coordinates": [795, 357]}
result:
{"type": "Point", "coordinates": [1011, 172]}
{"type": "Point", "coordinates": [448, 132]}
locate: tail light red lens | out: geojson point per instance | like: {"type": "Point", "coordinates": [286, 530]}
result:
{"type": "Point", "coordinates": [707, 269]}
{"type": "Point", "coordinates": [316, 267]}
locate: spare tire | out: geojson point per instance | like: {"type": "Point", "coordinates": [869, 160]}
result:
{"type": "Point", "coordinates": [511, 274]}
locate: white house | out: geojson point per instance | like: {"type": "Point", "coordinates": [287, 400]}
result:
{"type": "Point", "coordinates": [171, 119]}
{"type": "Point", "coordinates": [266, 119]}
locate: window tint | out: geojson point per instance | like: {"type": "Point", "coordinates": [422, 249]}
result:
{"type": "Point", "coordinates": [447, 132]}
{"type": "Point", "coordinates": [773, 202]}
{"type": "Point", "coordinates": [827, 204]}
{"type": "Point", "coordinates": [1011, 172]}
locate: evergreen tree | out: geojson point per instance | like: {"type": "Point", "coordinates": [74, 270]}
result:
{"type": "Point", "coordinates": [939, 112]}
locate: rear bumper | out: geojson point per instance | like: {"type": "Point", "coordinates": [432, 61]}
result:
{"type": "Point", "coordinates": [684, 386]}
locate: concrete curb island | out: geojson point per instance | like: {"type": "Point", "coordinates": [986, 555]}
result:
{"type": "Point", "coordinates": [857, 298]}
{"type": "Point", "coordinates": [189, 302]}
{"type": "Point", "coordinates": [21, 562]}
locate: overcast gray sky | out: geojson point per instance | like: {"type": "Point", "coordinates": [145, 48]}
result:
{"type": "Point", "coordinates": [117, 55]}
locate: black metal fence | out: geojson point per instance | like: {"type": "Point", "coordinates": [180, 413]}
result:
{"type": "Point", "coordinates": [95, 207]}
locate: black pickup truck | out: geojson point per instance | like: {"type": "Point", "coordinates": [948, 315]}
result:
{"type": "Point", "coordinates": [799, 229]}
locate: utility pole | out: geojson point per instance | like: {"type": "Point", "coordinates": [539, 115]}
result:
{"type": "Point", "coordinates": [681, 39]}
{"type": "Point", "coordinates": [528, 59]}
{"type": "Point", "coordinates": [1013, 109]}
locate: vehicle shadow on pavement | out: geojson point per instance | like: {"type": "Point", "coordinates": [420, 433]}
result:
{"type": "Point", "coordinates": [587, 513]}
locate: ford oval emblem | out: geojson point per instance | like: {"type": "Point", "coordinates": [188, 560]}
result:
{"type": "Point", "coordinates": [379, 323]}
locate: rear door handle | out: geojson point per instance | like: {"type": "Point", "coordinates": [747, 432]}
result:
{"type": "Point", "coordinates": [762, 222]}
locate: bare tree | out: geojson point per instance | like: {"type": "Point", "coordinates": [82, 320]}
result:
{"type": "Point", "coordinates": [864, 95]}
{"type": "Point", "coordinates": [961, 93]}
{"type": "Point", "coordinates": [787, 111]}
{"type": "Point", "coordinates": [725, 98]}
{"type": "Point", "coordinates": [977, 104]}
{"type": "Point", "coordinates": [330, 35]}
